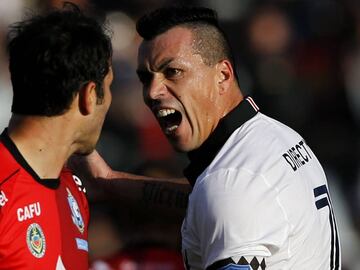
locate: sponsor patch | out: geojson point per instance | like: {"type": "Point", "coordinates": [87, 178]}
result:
{"type": "Point", "coordinates": [75, 212]}
{"type": "Point", "coordinates": [82, 244]}
{"type": "Point", "coordinates": [35, 239]}
{"type": "Point", "coordinates": [29, 211]}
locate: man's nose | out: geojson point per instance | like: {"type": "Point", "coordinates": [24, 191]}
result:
{"type": "Point", "coordinates": [157, 88]}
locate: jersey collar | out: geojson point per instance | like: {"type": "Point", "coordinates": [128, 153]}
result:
{"type": "Point", "coordinates": [10, 145]}
{"type": "Point", "coordinates": [201, 157]}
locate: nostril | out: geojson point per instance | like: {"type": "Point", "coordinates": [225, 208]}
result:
{"type": "Point", "coordinates": [152, 103]}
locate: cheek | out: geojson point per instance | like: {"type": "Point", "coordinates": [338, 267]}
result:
{"type": "Point", "coordinates": [207, 96]}
{"type": "Point", "coordinates": [108, 97]}
{"type": "Point", "coordinates": [198, 107]}
{"type": "Point", "coordinates": [203, 84]}
{"type": "Point", "coordinates": [207, 105]}
{"type": "Point", "coordinates": [198, 89]}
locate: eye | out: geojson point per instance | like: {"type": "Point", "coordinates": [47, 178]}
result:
{"type": "Point", "coordinates": [172, 72]}
{"type": "Point", "coordinates": [144, 77]}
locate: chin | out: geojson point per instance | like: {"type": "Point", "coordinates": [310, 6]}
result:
{"type": "Point", "coordinates": [181, 148]}
{"type": "Point", "coordinates": [86, 150]}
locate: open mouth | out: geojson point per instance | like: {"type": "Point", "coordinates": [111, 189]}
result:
{"type": "Point", "coordinates": [169, 120]}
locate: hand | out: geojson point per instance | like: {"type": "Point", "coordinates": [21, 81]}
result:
{"type": "Point", "coordinates": [91, 166]}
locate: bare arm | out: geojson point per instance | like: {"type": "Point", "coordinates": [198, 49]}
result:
{"type": "Point", "coordinates": [157, 192]}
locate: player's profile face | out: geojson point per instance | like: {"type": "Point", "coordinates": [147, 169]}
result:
{"type": "Point", "coordinates": [93, 129]}
{"type": "Point", "coordinates": [178, 87]}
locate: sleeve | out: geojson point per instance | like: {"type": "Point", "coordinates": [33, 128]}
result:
{"type": "Point", "coordinates": [80, 189]}
{"type": "Point", "coordinates": [83, 197]}
{"type": "Point", "coordinates": [238, 217]}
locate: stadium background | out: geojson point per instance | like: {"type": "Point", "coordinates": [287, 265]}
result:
{"type": "Point", "coordinates": [299, 59]}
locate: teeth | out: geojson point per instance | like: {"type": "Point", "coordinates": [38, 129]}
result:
{"type": "Point", "coordinates": [164, 112]}
{"type": "Point", "coordinates": [171, 129]}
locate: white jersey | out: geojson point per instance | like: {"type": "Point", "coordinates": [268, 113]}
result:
{"type": "Point", "coordinates": [261, 197]}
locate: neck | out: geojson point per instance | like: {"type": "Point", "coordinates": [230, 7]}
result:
{"type": "Point", "coordinates": [44, 142]}
{"type": "Point", "coordinates": [233, 100]}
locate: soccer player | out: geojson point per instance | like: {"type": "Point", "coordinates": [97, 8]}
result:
{"type": "Point", "coordinates": [260, 198]}
{"type": "Point", "coordinates": [60, 66]}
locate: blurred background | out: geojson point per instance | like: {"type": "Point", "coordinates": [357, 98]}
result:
{"type": "Point", "coordinates": [299, 59]}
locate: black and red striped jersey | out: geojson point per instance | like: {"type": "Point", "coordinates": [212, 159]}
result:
{"type": "Point", "coordinates": [43, 222]}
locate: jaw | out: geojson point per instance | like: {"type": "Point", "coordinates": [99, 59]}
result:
{"type": "Point", "coordinates": [176, 127]}
{"type": "Point", "coordinates": [169, 120]}
{"type": "Point", "coordinates": [183, 139]}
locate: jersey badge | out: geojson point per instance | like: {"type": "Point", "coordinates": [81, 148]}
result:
{"type": "Point", "coordinates": [35, 239]}
{"type": "Point", "coordinates": [75, 212]}
{"type": "Point", "coordinates": [82, 244]}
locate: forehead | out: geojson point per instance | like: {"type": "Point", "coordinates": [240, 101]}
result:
{"type": "Point", "coordinates": [174, 43]}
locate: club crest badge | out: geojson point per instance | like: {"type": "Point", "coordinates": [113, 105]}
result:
{"type": "Point", "coordinates": [75, 212]}
{"type": "Point", "coordinates": [35, 239]}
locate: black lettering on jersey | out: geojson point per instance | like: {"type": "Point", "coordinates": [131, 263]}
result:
{"type": "Point", "coordinates": [297, 156]}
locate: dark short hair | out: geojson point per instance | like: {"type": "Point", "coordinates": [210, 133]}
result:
{"type": "Point", "coordinates": [52, 56]}
{"type": "Point", "coordinates": [210, 40]}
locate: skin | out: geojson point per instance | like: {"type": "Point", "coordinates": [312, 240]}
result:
{"type": "Point", "coordinates": [152, 192]}
{"type": "Point", "coordinates": [89, 135]}
{"type": "Point", "coordinates": [175, 77]}
{"type": "Point", "coordinates": [47, 142]}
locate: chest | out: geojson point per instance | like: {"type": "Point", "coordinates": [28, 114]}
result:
{"type": "Point", "coordinates": [44, 227]}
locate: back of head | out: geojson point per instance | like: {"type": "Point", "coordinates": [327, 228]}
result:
{"type": "Point", "coordinates": [210, 40]}
{"type": "Point", "coordinates": [52, 56]}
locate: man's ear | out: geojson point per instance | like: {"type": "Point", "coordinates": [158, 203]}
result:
{"type": "Point", "coordinates": [87, 98]}
{"type": "Point", "coordinates": [225, 76]}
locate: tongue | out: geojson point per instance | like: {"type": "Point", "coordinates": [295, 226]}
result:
{"type": "Point", "coordinates": [170, 129]}
{"type": "Point", "coordinates": [170, 122]}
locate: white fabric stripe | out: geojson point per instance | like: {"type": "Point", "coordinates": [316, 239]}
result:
{"type": "Point", "coordinates": [252, 103]}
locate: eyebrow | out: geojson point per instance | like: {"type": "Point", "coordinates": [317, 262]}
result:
{"type": "Point", "coordinates": [164, 63]}
{"type": "Point", "coordinates": [160, 67]}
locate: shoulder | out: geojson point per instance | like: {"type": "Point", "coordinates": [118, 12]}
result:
{"type": "Point", "coordinates": [256, 145]}
{"type": "Point", "coordinates": [73, 180]}
{"type": "Point", "coordinates": [10, 171]}
{"type": "Point", "coordinates": [75, 188]}
{"type": "Point", "coordinates": [238, 207]}
{"type": "Point", "coordinates": [263, 131]}
{"type": "Point", "coordinates": [9, 168]}
{"type": "Point", "coordinates": [236, 194]}
{"type": "Point", "coordinates": [227, 181]}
